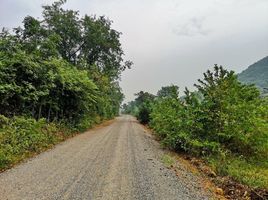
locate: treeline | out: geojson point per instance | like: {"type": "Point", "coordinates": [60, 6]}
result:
{"type": "Point", "coordinates": [63, 69]}
{"type": "Point", "coordinates": [224, 121]}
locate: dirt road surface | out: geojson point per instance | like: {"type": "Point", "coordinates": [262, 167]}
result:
{"type": "Point", "coordinates": [119, 161]}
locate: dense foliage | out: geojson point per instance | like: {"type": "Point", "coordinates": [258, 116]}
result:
{"type": "Point", "coordinates": [223, 118]}
{"type": "Point", "coordinates": [140, 107]}
{"type": "Point", "coordinates": [230, 117]}
{"type": "Point", "coordinates": [20, 136]}
{"type": "Point", "coordinates": [62, 69]}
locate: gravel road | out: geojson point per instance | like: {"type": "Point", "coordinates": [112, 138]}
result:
{"type": "Point", "coordinates": [119, 161]}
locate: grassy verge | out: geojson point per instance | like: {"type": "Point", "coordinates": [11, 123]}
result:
{"type": "Point", "coordinates": [233, 179]}
{"type": "Point", "coordinates": [167, 160]}
{"type": "Point", "coordinates": [238, 177]}
{"type": "Point", "coordinates": [253, 173]}
{"type": "Point", "coordinates": [22, 138]}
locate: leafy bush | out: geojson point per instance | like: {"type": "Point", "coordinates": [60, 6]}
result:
{"type": "Point", "coordinates": [20, 136]}
{"type": "Point", "coordinates": [143, 114]}
{"type": "Point", "coordinates": [223, 115]}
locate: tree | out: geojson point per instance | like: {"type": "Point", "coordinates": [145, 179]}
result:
{"type": "Point", "coordinates": [230, 111]}
{"type": "Point", "coordinates": [168, 92]}
{"type": "Point", "coordinates": [144, 101]}
{"type": "Point", "coordinates": [63, 67]}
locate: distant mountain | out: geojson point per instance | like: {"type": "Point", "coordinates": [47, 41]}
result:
{"type": "Point", "coordinates": [256, 74]}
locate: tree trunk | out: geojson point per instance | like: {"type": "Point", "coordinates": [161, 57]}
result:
{"type": "Point", "coordinates": [33, 111]}
{"type": "Point", "coordinates": [49, 110]}
{"type": "Point", "coordinates": [40, 111]}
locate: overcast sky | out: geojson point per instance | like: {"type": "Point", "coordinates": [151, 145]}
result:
{"type": "Point", "coordinates": [171, 41]}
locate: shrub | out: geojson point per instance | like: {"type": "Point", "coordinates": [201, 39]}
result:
{"type": "Point", "coordinates": [223, 115]}
{"type": "Point", "coordinates": [143, 114]}
{"type": "Point", "coordinates": [21, 136]}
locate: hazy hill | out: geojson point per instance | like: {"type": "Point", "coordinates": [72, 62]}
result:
{"type": "Point", "coordinates": [257, 74]}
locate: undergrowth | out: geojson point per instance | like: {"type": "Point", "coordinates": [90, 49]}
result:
{"type": "Point", "coordinates": [22, 137]}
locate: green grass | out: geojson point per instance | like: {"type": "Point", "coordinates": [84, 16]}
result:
{"type": "Point", "coordinates": [253, 173]}
{"type": "Point", "coordinates": [167, 160]}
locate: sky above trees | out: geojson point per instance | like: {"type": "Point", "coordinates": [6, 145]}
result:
{"type": "Point", "coordinates": [171, 41]}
